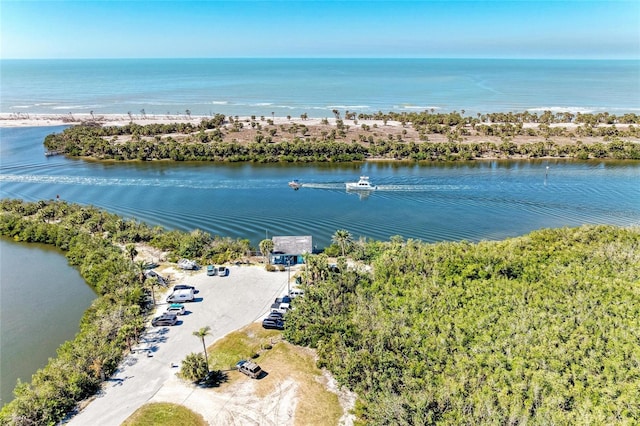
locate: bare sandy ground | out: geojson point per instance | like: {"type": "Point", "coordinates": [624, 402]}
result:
{"type": "Point", "coordinates": [149, 374]}
{"type": "Point", "coordinates": [41, 120]}
{"type": "Point", "coordinates": [286, 128]}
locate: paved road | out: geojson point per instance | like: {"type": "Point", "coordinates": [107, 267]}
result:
{"type": "Point", "coordinates": [222, 303]}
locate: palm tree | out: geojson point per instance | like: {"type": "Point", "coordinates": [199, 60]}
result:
{"type": "Point", "coordinates": [131, 251]}
{"type": "Point", "coordinates": [140, 267]}
{"type": "Point", "coordinates": [266, 247]}
{"type": "Point", "coordinates": [342, 238]}
{"type": "Point", "coordinates": [204, 331]}
{"type": "Point", "coordinates": [194, 367]}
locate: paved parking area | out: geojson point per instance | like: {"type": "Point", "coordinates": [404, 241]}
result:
{"type": "Point", "coordinates": [223, 303]}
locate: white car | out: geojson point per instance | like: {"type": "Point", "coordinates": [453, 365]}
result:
{"type": "Point", "coordinates": [187, 264]}
{"type": "Point", "coordinates": [176, 308]}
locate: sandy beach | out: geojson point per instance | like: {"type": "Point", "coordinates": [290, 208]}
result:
{"type": "Point", "coordinates": [43, 120]}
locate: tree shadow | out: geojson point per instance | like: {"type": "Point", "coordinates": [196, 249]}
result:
{"type": "Point", "coordinates": [117, 381]}
{"type": "Point", "coordinates": [213, 379]}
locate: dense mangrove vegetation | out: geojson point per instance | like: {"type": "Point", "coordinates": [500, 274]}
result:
{"type": "Point", "coordinates": [541, 329]}
{"type": "Point", "coordinates": [101, 246]}
{"type": "Point", "coordinates": [419, 137]}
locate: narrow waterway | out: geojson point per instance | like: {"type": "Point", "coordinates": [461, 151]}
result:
{"type": "Point", "coordinates": [42, 299]}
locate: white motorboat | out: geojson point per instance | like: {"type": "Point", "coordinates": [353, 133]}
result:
{"type": "Point", "coordinates": [361, 185]}
{"type": "Point", "coordinates": [295, 184]}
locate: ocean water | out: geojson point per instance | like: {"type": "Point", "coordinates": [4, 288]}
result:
{"type": "Point", "coordinates": [281, 87]}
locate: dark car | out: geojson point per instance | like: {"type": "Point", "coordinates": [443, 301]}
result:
{"type": "Point", "coordinates": [168, 318]}
{"type": "Point", "coordinates": [277, 316]}
{"type": "Point", "coordinates": [273, 323]}
{"type": "Point", "coordinates": [283, 299]}
{"type": "Point", "coordinates": [184, 287]}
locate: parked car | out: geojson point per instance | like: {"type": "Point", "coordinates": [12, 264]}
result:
{"type": "Point", "coordinates": [280, 308]}
{"type": "Point", "coordinates": [211, 270]}
{"type": "Point", "coordinates": [223, 271]}
{"type": "Point", "coordinates": [276, 324]}
{"type": "Point", "coordinates": [249, 368]}
{"type": "Point", "coordinates": [283, 299]}
{"type": "Point", "coordinates": [296, 292]}
{"type": "Point", "coordinates": [275, 316]}
{"type": "Point", "coordinates": [181, 296]}
{"type": "Point", "coordinates": [165, 319]}
{"type": "Point", "coordinates": [184, 287]}
{"type": "Point", "coordinates": [187, 264]}
{"type": "Point", "coordinates": [176, 308]}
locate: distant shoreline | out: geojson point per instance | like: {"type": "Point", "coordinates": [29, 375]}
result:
{"type": "Point", "coordinates": [8, 120]}
{"type": "Point", "coordinates": [45, 120]}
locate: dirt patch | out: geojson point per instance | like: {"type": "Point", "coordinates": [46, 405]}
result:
{"type": "Point", "coordinates": [150, 254]}
{"type": "Point", "coordinates": [292, 390]}
{"type": "Point", "coordinates": [346, 397]}
{"type": "Point", "coordinates": [238, 404]}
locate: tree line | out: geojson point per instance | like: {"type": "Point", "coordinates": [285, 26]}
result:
{"type": "Point", "coordinates": [540, 329]}
{"type": "Point", "coordinates": [453, 118]}
{"type": "Point", "coordinates": [144, 143]}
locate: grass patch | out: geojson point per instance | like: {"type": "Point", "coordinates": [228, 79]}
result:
{"type": "Point", "coordinates": [164, 413]}
{"type": "Point", "coordinates": [243, 344]}
{"type": "Point", "coordinates": [283, 362]}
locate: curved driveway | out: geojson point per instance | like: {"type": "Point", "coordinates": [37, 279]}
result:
{"type": "Point", "coordinates": [223, 303]}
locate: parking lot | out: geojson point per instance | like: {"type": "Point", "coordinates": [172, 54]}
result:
{"type": "Point", "coordinates": [224, 304]}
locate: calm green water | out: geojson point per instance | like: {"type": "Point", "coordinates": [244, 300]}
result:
{"type": "Point", "coordinates": [41, 301]}
{"type": "Point", "coordinates": [432, 202]}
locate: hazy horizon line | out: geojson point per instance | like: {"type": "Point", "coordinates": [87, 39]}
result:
{"type": "Point", "coordinates": [534, 58]}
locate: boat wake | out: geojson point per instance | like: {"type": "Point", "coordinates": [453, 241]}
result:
{"type": "Point", "coordinates": [323, 185]}
{"type": "Point", "coordinates": [392, 188]}
{"type": "Point", "coordinates": [144, 182]}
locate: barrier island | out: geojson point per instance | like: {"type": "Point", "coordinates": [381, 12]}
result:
{"type": "Point", "coordinates": [424, 136]}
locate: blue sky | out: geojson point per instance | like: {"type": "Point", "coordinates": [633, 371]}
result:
{"type": "Point", "coordinates": [438, 29]}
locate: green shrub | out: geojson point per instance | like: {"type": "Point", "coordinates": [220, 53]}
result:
{"type": "Point", "coordinates": [194, 367]}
